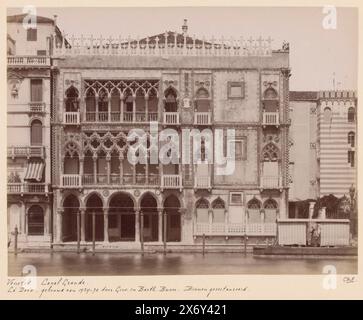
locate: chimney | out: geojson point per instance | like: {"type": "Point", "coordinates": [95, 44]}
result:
{"type": "Point", "coordinates": [185, 27]}
{"type": "Point", "coordinates": [55, 19]}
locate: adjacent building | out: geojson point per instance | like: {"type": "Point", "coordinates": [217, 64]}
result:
{"type": "Point", "coordinates": [323, 144]}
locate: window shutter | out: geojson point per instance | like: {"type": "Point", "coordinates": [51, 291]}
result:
{"type": "Point", "coordinates": [36, 90]}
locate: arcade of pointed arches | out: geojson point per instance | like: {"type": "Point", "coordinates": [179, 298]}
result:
{"type": "Point", "coordinates": [120, 218]}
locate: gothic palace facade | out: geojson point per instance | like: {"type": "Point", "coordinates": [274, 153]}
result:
{"type": "Point", "coordinates": [73, 178]}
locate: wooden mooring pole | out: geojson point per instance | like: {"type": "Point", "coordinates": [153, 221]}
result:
{"type": "Point", "coordinates": [142, 232]}
{"type": "Point", "coordinates": [164, 233]}
{"type": "Point", "coordinates": [203, 244]}
{"type": "Point", "coordinates": [78, 235]}
{"type": "Point", "coordinates": [16, 240]}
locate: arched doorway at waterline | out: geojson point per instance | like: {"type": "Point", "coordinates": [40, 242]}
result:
{"type": "Point", "coordinates": [151, 218]}
{"type": "Point", "coordinates": [94, 205]}
{"type": "Point", "coordinates": [173, 218]}
{"type": "Point", "coordinates": [121, 218]}
{"type": "Point", "coordinates": [69, 219]}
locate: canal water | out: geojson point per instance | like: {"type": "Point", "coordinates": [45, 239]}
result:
{"type": "Point", "coordinates": [84, 264]}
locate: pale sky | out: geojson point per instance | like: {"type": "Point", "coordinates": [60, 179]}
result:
{"type": "Point", "coordinates": [315, 53]}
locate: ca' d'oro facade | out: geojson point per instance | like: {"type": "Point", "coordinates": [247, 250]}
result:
{"type": "Point", "coordinates": [72, 181]}
{"type": "Point", "coordinates": [99, 97]}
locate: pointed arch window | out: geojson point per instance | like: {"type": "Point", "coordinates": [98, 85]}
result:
{"type": "Point", "coordinates": [351, 114]}
{"type": "Point", "coordinates": [351, 139]}
{"type": "Point", "coordinates": [72, 103]}
{"type": "Point", "coordinates": [202, 208]}
{"type": "Point", "coordinates": [327, 114]}
{"type": "Point", "coordinates": [219, 211]}
{"type": "Point", "coordinates": [202, 100]}
{"type": "Point", "coordinates": [171, 100]}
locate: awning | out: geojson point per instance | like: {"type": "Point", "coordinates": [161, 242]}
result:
{"type": "Point", "coordinates": [34, 171]}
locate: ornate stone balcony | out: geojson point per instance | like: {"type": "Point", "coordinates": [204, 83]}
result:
{"type": "Point", "coordinates": [117, 117]}
{"type": "Point", "coordinates": [202, 118]}
{"type": "Point", "coordinates": [171, 118]}
{"type": "Point", "coordinates": [36, 106]}
{"type": "Point", "coordinates": [171, 181]}
{"type": "Point", "coordinates": [71, 118]}
{"type": "Point", "coordinates": [235, 229]}
{"type": "Point", "coordinates": [28, 61]}
{"type": "Point", "coordinates": [270, 119]}
{"type": "Point", "coordinates": [26, 151]}
{"type": "Point", "coordinates": [27, 188]}
{"type": "Point", "coordinates": [70, 181]}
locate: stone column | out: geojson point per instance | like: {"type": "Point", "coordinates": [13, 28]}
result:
{"type": "Point", "coordinates": [133, 108]}
{"type": "Point", "coordinates": [109, 108]}
{"type": "Point", "coordinates": [81, 165]}
{"type": "Point", "coordinates": [96, 102]}
{"type": "Point", "coordinates": [183, 229]}
{"type": "Point", "coordinates": [137, 226]}
{"type": "Point", "coordinates": [121, 158]}
{"type": "Point", "coordinates": [108, 160]}
{"type": "Point", "coordinates": [59, 224]}
{"type": "Point", "coordinates": [311, 209]}
{"type": "Point", "coordinates": [210, 219]}
{"type": "Point", "coordinates": [146, 108]}
{"type": "Point", "coordinates": [122, 107]}
{"type": "Point", "coordinates": [83, 224]}
{"type": "Point", "coordinates": [160, 224]}
{"type": "Point", "coordinates": [105, 225]}
{"type": "Point", "coordinates": [322, 213]}
{"type": "Point", "coordinates": [263, 215]}
{"type": "Point", "coordinates": [94, 157]}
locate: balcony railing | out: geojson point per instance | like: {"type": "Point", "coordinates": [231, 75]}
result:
{"type": "Point", "coordinates": [37, 106]}
{"type": "Point", "coordinates": [271, 182]}
{"type": "Point", "coordinates": [115, 117]}
{"type": "Point", "coordinates": [31, 61]}
{"type": "Point", "coordinates": [71, 180]}
{"type": "Point", "coordinates": [128, 117]}
{"type": "Point", "coordinates": [27, 188]}
{"type": "Point", "coordinates": [71, 118]}
{"type": "Point", "coordinates": [270, 119]}
{"type": "Point", "coordinates": [27, 152]}
{"type": "Point", "coordinates": [171, 117]}
{"type": "Point", "coordinates": [166, 44]}
{"type": "Point", "coordinates": [171, 181]}
{"type": "Point", "coordinates": [202, 118]}
{"type": "Point", "coordinates": [235, 229]}
{"type": "Point", "coordinates": [103, 116]}
{"type": "Point", "coordinates": [152, 179]}
{"type": "Point", "coordinates": [202, 182]}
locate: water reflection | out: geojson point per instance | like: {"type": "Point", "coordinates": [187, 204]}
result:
{"type": "Point", "coordinates": [71, 264]}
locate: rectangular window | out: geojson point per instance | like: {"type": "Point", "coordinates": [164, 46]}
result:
{"type": "Point", "coordinates": [239, 145]}
{"type": "Point", "coordinates": [235, 198]}
{"type": "Point", "coordinates": [31, 34]}
{"type": "Point", "coordinates": [351, 158]}
{"type": "Point", "coordinates": [236, 90]}
{"type": "Point", "coordinates": [41, 52]}
{"type": "Point", "coordinates": [36, 90]}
